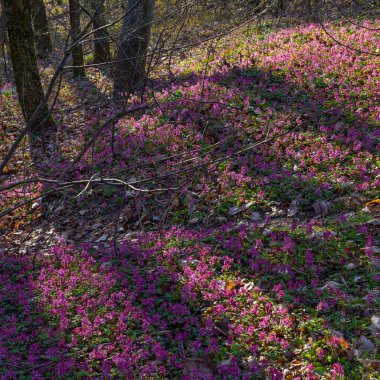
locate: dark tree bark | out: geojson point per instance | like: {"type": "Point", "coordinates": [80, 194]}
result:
{"type": "Point", "coordinates": [3, 26]}
{"type": "Point", "coordinates": [133, 46]}
{"type": "Point", "coordinates": [101, 45]}
{"type": "Point", "coordinates": [41, 30]}
{"type": "Point", "coordinates": [309, 9]}
{"type": "Point", "coordinates": [281, 7]}
{"type": "Point", "coordinates": [24, 62]}
{"type": "Point", "coordinates": [77, 52]}
{"type": "Point", "coordinates": [4, 43]}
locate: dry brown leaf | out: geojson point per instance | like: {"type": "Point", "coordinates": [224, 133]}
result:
{"type": "Point", "coordinates": [231, 285]}
{"type": "Point", "coordinates": [18, 224]}
{"type": "Point", "coordinates": [293, 320]}
{"type": "Point", "coordinates": [373, 202]}
{"type": "Point", "coordinates": [8, 170]}
{"type": "Point", "coordinates": [343, 343]}
{"type": "Point", "coordinates": [296, 363]}
{"type": "Point", "coordinates": [372, 207]}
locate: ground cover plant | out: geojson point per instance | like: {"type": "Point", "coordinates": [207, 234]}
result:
{"type": "Point", "coordinates": [227, 229]}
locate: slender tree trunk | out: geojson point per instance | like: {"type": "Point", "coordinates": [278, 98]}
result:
{"type": "Point", "coordinates": [310, 9]}
{"type": "Point", "coordinates": [4, 43]}
{"type": "Point", "coordinates": [101, 45]}
{"type": "Point", "coordinates": [3, 26]}
{"type": "Point", "coordinates": [281, 7]}
{"type": "Point", "coordinates": [24, 62]}
{"type": "Point", "coordinates": [41, 30]}
{"type": "Point", "coordinates": [133, 46]}
{"type": "Point", "coordinates": [77, 52]}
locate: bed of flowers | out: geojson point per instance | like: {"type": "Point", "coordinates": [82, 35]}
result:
{"type": "Point", "coordinates": [231, 302]}
{"type": "Point", "coordinates": [265, 262]}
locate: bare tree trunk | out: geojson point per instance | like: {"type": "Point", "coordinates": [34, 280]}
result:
{"type": "Point", "coordinates": [41, 30]}
{"type": "Point", "coordinates": [281, 7]}
{"type": "Point", "coordinates": [24, 62]}
{"type": "Point", "coordinates": [77, 52]}
{"type": "Point", "coordinates": [310, 9]}
{"type": "Point", "coordinates": [4, 43]}
{"type": "Point", "coordinates": [3, 26]}
{"type": "Point", "coordinates": [133, 46]}
{"type": "Point", "coordinates": [101, 45]}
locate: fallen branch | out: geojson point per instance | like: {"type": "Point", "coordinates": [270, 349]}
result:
{"type": "Point", "coordinates": [132, 184]}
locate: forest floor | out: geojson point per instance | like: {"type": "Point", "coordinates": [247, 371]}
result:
{"type": "Point", "coordinates": [229, 230]}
